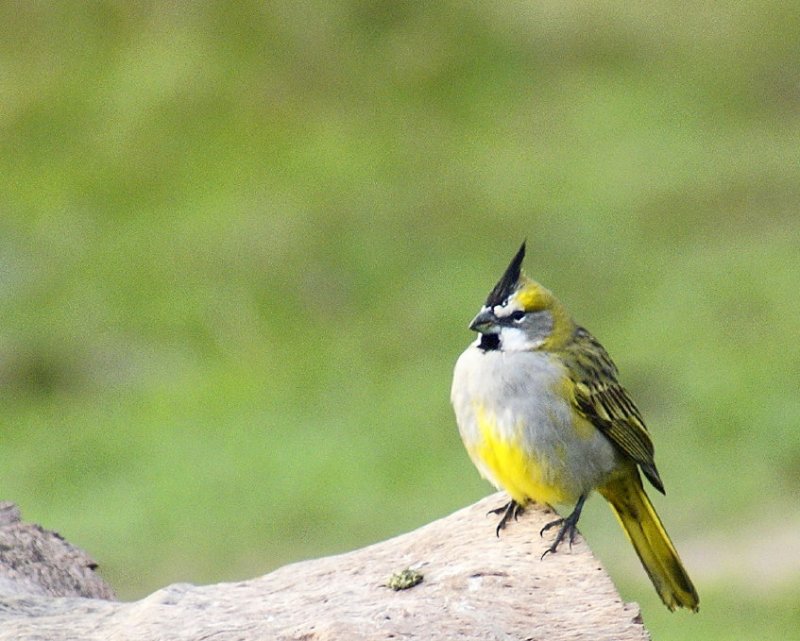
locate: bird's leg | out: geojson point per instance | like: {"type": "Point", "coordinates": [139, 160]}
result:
{"type": "Point", "coordinates": [510, 510]}
{"type": "Point", "coordinates": [567, 526]}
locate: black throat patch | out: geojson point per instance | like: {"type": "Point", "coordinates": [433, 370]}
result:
{"type": "Point", "coordinates": [489, 342]}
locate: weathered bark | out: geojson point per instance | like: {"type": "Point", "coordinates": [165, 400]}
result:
{"type": "Point", "coordinates": [34, 561]}
{"type": "Point", "coordinates": [475, 586]}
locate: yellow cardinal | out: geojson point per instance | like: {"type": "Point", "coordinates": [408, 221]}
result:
{"type": "Point", "coordinates": [543, 417]}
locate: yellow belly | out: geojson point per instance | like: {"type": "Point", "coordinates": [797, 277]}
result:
{"type": "Point", "coordinates": [525, 476]}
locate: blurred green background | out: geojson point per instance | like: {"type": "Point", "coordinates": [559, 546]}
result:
{"type": "Point", "coordinates": [240, 244]}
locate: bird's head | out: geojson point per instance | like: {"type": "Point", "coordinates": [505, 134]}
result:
{"type": "Point", "coordinates": [519, 314]}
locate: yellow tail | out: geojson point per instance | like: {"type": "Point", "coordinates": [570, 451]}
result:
{"type": "Point", "coordinates": [650, 540]}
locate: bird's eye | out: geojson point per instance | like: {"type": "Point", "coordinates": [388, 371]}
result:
{"type": "Point", "coordinates": [517, 315]}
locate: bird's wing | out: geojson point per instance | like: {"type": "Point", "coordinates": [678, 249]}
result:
{"type": "Point", "coordinates": [604, 402]}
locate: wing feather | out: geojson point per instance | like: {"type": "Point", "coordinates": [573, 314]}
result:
{"type": "Point", "coordinates": [604, 402]}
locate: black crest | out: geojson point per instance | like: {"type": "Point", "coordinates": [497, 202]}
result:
{"type": "Point", "coordinates": [505, 286]}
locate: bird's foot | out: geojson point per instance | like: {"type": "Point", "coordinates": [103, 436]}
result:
{"type": "Point", "coordinates": [567, 528]}
{"type": "Point", "coordinates": [510, 510]}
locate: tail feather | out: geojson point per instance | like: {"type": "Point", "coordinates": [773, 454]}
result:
{"type": "Point", "coordinates": [650, 540]}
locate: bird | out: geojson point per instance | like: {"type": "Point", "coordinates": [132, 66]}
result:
{"type": "Point", "coordinates": [543, 417]}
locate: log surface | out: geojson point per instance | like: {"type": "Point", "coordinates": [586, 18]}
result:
{"type": "Point", "coordinates": [475, 586]}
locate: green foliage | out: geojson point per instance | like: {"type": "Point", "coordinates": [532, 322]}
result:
{"type": "Point", "coordinates": [240, 244]}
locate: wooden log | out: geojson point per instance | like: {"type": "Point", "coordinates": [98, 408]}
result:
{"type": "Point", "coordinates": [473, 585]}
{"type": "Point", "coordinates": [35, 561]}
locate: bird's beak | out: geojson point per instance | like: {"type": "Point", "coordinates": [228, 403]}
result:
{"type": "Point", "coordinates": [484, 321]}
